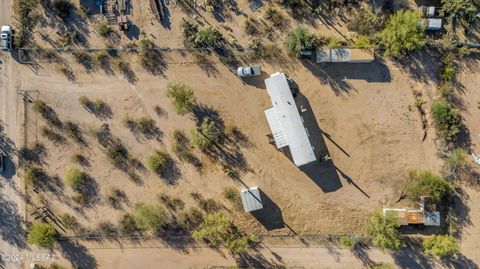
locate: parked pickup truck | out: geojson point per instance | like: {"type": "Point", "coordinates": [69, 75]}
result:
{"type": "Point", "coordinates": [6, 38]}
{"type": "Point", "coordinates": [249, 71]}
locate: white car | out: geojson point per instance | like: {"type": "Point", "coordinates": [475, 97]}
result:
{"type": "Point", "coordinates": [249, 71]}
{"type": "Point", "coordinates": [6, 38]}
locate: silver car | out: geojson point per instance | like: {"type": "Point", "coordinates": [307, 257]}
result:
{"type": "Point", "coordinates": [249, 71]}
{"type": "Point", "coordinates": [6, 38]}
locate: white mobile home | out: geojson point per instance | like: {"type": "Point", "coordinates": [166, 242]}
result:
{"type": "Point", "coordinates": [285, 121]}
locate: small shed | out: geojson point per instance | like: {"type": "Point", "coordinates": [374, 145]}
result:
{"type": "Point", "coordinates": [251, 199]}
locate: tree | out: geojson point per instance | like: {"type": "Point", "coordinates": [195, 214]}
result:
{"type": "Point", "coordinates": [207, 134]}
{"type": "Point", "coordinates": [447, 119]}
{"type": "Point", "coordinates": [457, 159]}
{"type": "Point", "coordinates": [157, 162]}
{"type": "Point", "coordinates": [464, 10]}
{"type": "Point", "coordinates": [150, 217]}
{"type": "Point", "coordinates": [441, 245]}
{"type": "Point", "coordinates": [300, 40]}
{"type": "Point", "coordinates": [382, 229]}
{"type": "Point", "coordinates": [403, 33]}
{"type": "Point", "coordinates": [42, 235]}
{"type": "Point", "coordinates": [426, 183]}
{"type": "Point", "coordinates": [182, 97]}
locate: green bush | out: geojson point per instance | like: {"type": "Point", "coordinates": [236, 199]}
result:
{"type": "Point", "coordinates": [441, 245]}
{"type": "Point", "coordinates": [157, 162]}
{"type": "Point", "coordinates": [363, 42]}
{"type": "Point", "coordinates": [182, 97]}
{"type": "Point", "coordinates": [76, 179]}
{"type": "Point", "coordinates": [103, 28]}
{"type": "Point", "coordinates": [206, 135]}
{"type": "Point", "coordinates": [447, 120]}
{"type": "Point", "coordinates": [425, 183]}
{"type": "Point", "coordinates": [347, 241]}
{"type": "Point", "coordinates": [333, 43]}
{"type": "Point", "coordinates": [208, 37]}
{"type": "Point", "coordinates": [382, 230]}
{"type": "Point", "coordinates": [448, 73]}
{"type": "Point", "coordinates": [457, 159]}
{"type": "Point", "coordinates": [366, 22]}
{"type": "Point", "coordinates": [300, 40]}
{"type": "Point", "coordinates": [150, 217]}
{"type": "Point", "coordinates": [403, 33]}
{"type": "Point", "coordinates": [42, 234]}
{"type": "Point", "coordinates": [83, 100]}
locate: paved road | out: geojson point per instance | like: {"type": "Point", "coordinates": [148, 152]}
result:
{"type": "Point", "coordinates": [11, 231]}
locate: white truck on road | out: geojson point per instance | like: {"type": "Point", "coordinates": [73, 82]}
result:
{"type": "Point", "coordinates": [6, 38]}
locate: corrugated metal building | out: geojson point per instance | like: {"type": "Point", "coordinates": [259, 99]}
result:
{"type": "Point", "coordinates": [251, 199]}
{"type": "Point", "coordinates": [344, 55]}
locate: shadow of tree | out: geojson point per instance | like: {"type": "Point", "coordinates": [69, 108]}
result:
{"type": "Point", "coordinates": [11, 226]}
{"type": "Point", "coordinates": [77, 255]}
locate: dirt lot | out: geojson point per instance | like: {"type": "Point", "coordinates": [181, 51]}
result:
{"type": "Point", "coordinates": [359, 114]}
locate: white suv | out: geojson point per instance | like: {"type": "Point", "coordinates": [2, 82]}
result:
{"type": "Point", "coordinates": [6, 38]}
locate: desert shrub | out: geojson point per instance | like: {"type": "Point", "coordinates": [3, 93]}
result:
{"type": "Point", "coordinates": [150, 57]}
{"type": "Point", "coordinates": [457, 159]}
{"type": "Point", "coordinates": [208, 37]}
{"type": "Point", "coordinates": [348, 241]}
{"type": "Point", "coordinates": [157, 162]}
{"type": "Point", "coordinates": [33, 174]}
{"type": "Point", "coordinates": [216, 229]}
{"type": "Point", "coordinates": [333, 43]}
{"type": "Point", "coordinates": [251, 27]}
{"type": "Point", "coordinates": [107, 229]}
{"type": "Point", "coordinates": [73, 131]}
{"type": "Point", "coordinates": [189, 33]}
{"type": "Point", "coordinates": [127, 225]}
{"type": "Point", "coordinates": [402, 33]}
{"type": "Point", "coordinates": [83, 58]}
{"type": "Point", "coordinates": [69, 38]}
{"type": "Point", "coordinates": [300, 39]}
{"type": "Point", "coordinates": [441, 245]}
{"type": "Point", "coordinates": [206, 135]}
{"type": "Point", "coordinates": [426, 183]}
{"type": "Point", "coordinates": [464, 11]}
{"type": "Point", "coordinates": [27, 15]}
{"type": "Point", "coordinates": [83, 100]}
{"type": "Point", "coordinates": [150, 217]}
{"type": "Point", "coordinates": [181, 146]}
{"type": "Point", "coordinates": [382, 266]}
{"type": "Point", "coordinates": [114, 197]}
{"type": "Point", "coordinates": [171, 203]}
{"type": "Point", "coordinates": [40, 107]}
{"type": "Point", "coordinates": [366, 22]}
{"type": "Point", "coordinates": [69, 221]}
{"type": "Point", "coordinates": [118, 155]}
{"type": "Point", "coordinates": [76, 179]}
{"type": "Point", "coordinates": [382, 230]}
{"type": "Point", "coordinates": [52, 135]}
{"type": "Point", "coordinates": [447, 120]}
{"type": "Point", "coordinates": [260, 50]}
{"type": "Point", "coordinates": [232, 195]}
{"type": "Point", "coordinates": [274, 16]}
{"type": "Point", "coordinates": [190, 219]}
{"type": "Point", "coordinates": [182, 97]}
{"type": "Point", "coordinates": [446, 90]}
{"type": "Point", "coordinates": [102, 59]}
{"type": "Point", "coordinates": [363, 42]}
{"type": "Point", "coordinates": [62, 8]}
{"type": "Point", "coordinates": [447, 73]}
{"type": "Point", "coordinates": [209, 205]}
{"type": "Point", "coordinates": [103, 28]}
{"type": "Point", "coordinates": [42, 234]}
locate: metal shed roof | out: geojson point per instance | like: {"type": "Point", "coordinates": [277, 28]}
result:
{"type": "Point", "coordinates": [285, 121]}
{"type": "Point", "coordinates": [431, 218]}
{"type": "Point", "coordinates": [251, 199]}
